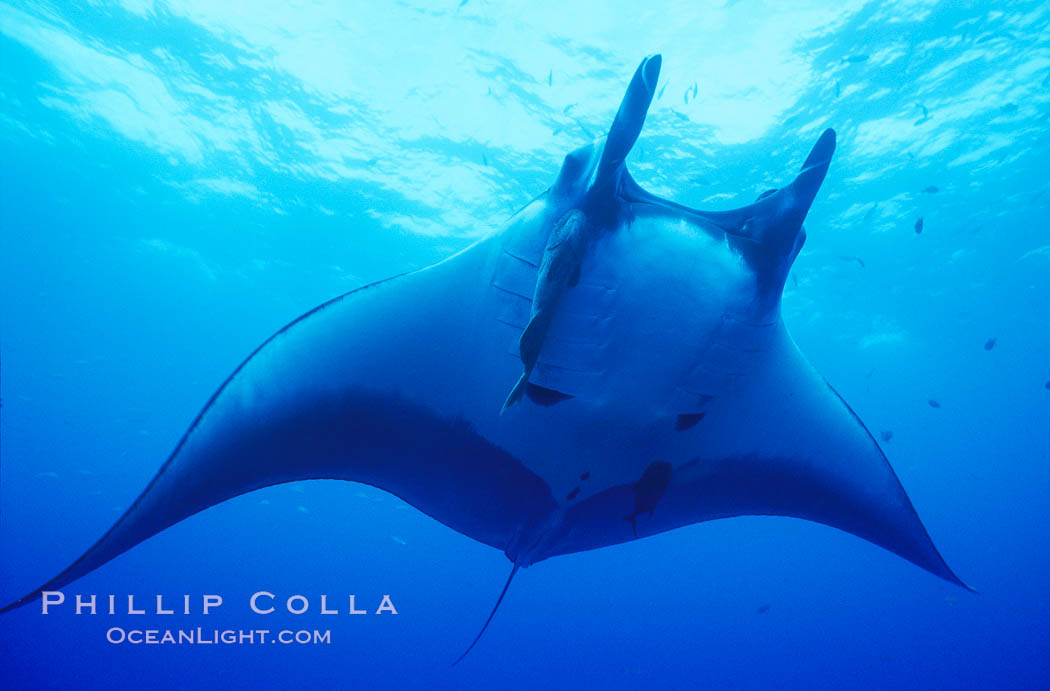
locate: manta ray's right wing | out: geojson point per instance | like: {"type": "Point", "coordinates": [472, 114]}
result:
{"type": "Point", "coordinates": [781, 442]}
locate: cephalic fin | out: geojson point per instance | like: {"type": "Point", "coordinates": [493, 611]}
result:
{"type": "Point", "coordinates": [630, 117]}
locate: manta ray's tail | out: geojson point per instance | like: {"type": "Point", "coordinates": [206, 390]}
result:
{"type": "Point", "coordinates": [491, 614]}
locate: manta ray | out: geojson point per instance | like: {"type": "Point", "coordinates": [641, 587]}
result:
{"type": "Point", "coordinates": [607, 366]}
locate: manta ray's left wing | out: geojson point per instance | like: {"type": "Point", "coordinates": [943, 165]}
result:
{"type": "Point", "coordinates": [781, 443]}
{"type": "Point", "coordinates": [367, 387]}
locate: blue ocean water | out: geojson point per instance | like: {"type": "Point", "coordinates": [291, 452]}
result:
{"type": "Point", "coordinates": [183, 178]}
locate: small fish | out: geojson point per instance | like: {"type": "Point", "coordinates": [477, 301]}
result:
{"type": "Point", "coordinates": [853, 259]}
{"type": "Point", "coordinates": [685, 96]}
{"type": "Point", "coordinates": [568, 108]}
{"type": "Point", "coordinates": [550, 78]}
{"type": "Point", "coordinates": [854, 59]}
{"type": "Point", "coordinates": [932, 189]}
{"type": "Point", "coordinates": [989, 344]}
{"type": "Point", "coordinates": [461, 4]}
{"type": "Point", "coordinates": [398, 540]}
{"type": "Point", "coordinates": [694, 90]}
{"type": "Point", "coordinates": [925, 115]}
{"type": "Point", "coordinates": [681, 116]}
{"type": "Point", "coordinates": [918, 226]}
{"type": "Point", "coordinates": [762, 609]}
{"type": "Point", "coordinates": [838, 89]}
{"type": "Point", "coordinates": [1008, 108]}
{"type": "Point", "coordinates": [302, 509]}
{"type": "Point", "coordinates": [660, 93]}
{"type": "Point", "coordinates": [933, 403]}
{"type": "Point", "coordinates": [484, 160]}
{"type": "Point", "coordinates": [886, 434]}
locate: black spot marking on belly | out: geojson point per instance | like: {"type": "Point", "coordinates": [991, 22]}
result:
{"type": "Point", "coordinates": [687, 420]}
{"type": "Point", "coordinates": [649, 490]}
{"type": "Point", "coordinates": [573, 493]}
{"type": "Point", "coordinates": [541, 395]}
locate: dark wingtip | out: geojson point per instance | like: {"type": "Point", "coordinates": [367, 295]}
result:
{"type": "Point", "coordinates": [16, 604]}
{"type": "Point", "coordinates": [950, 576]}
{"type": "Point", "coordinates": [55, 583]}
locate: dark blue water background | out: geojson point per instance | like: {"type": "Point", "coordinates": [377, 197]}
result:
{"type": "Point", "coordinates": [180, 180]}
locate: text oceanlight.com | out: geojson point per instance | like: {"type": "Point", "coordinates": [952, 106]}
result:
{"type": "Point", "coordinates": [201, 636]}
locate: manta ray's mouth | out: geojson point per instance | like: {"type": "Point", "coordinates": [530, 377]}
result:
{"type": "Point", "coordinates": [768, 233]}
